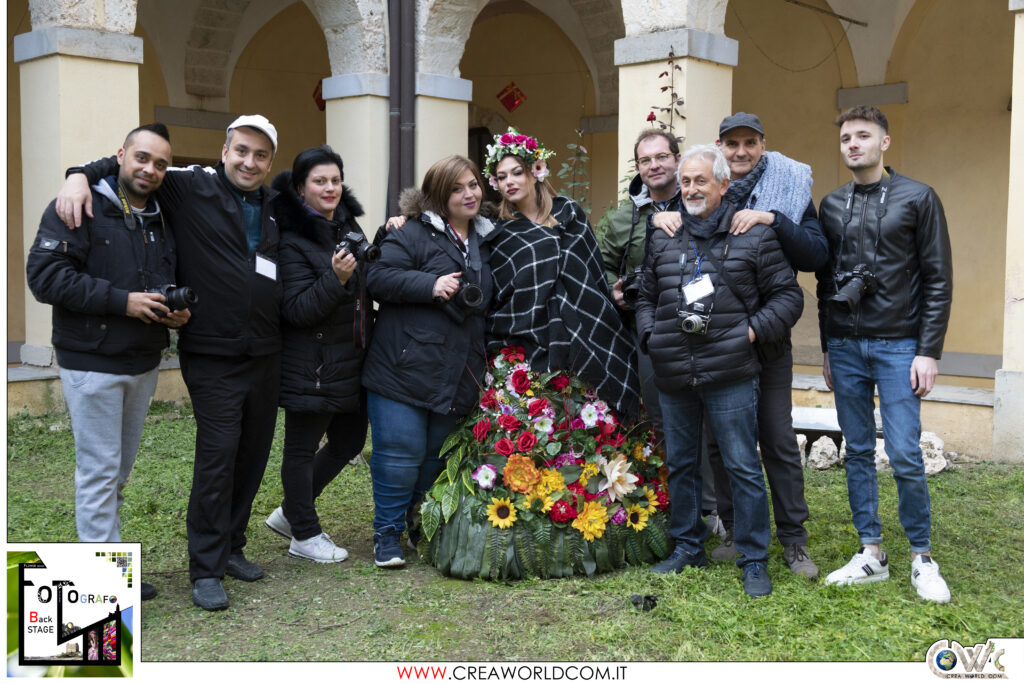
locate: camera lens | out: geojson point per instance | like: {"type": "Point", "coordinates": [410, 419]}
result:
{"type": "Point", "coordinates": [469, 296]}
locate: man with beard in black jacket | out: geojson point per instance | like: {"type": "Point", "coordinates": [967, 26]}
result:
{"type": "Point", "coordinates": [706, 297]}
{"type": "Point", "coordinates": [227, 241]}
{"type": "Point", "coordinates": [883, 306]}
{"type": "Point", "coordinates": [110, 323]}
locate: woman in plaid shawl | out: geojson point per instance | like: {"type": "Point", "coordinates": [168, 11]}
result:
{"type": "Point", "coordinates": [551, 296]}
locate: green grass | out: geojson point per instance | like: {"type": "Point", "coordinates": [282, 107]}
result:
{"type": "Point", "coordinates": [354, 611]}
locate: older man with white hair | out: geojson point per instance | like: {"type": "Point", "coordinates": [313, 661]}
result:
{"type": "Point", "coordinates": [706, 298]}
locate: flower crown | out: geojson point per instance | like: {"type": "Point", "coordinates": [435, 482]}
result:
{"type": "Point", "coordinates": [513, 142]}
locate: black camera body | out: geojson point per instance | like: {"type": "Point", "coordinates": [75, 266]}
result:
{"type": "Point", "coordinates": [468, 296]}
{"type": "Point", "coordinates": [695, 321]}
{"type": "Point", "coordinates": [359, 247]}
{"type": "Point", "coordinates": [631, 287]}
{"type": "Point", "coordinates": [851, 286]}
{"type": "Point", "coordinates": [176, 298]}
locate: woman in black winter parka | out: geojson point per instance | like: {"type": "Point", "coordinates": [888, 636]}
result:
{"type": "Point", "coordinates": [426, 362]}
{"type": "Point", "coordinates": [326, 321]}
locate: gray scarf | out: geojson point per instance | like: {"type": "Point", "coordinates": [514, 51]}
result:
{"type": "Point", "coordinates": [784, 186]}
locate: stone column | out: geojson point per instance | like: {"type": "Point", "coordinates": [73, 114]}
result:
{"type": "Point", "coordinates": [442, 119]}
{"type": "Point", "coordinates": [693, 30]}
{"type": "Point", "coordinates": [1008, 415]}
{"type": "Point", "coordinates": [357, 128]}
{"type": "Point", "coordinates": [79, 97]}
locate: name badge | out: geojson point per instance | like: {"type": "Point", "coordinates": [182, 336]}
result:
{"type": "Point", "coordinates": [698, 289]}
{"type": "Point", "coordinates": [265, 267]}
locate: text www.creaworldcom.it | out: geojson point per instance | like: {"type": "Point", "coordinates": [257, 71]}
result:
{"type": "Point", "coordinates": [525, 673]}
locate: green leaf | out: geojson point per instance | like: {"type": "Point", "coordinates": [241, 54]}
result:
{"type": "Point", "coordinates": [467, 482]}
{"type": "Point", "coordinates": [449, 502]}
{"type": "Point", "coordinates": [571, 473]}
{"type": "Point", "coordinates": [454, 461]}
{"type": "Point", "coordinates": [553, 448]}
{"type": "Point", "coordinates": [431, 513]}
{"type": "Point", "coordinates": [450, 442]}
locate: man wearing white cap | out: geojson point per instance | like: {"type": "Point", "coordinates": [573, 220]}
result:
{"type": "Point", "coordinates": [230, 349]}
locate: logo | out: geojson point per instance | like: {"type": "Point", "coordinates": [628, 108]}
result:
{"type": "Point", "coordinates": [950, 660]}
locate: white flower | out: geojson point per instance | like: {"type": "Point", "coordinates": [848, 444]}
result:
{"type": "Point", "coordinates": [618, 481]}
{"type": "Point", "coordinates": [488, 380]}
{"type": "Point", "coordinates": [544, 424]}
{"type": "Point", "coordinates": [499, 362]}
{"type": "Point", "coordinates": [589, 415]}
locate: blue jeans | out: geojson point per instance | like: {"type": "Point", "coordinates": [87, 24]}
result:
{"type": "Point", "coordinates": [732, 413]}
{"type": "Point", "coordinates": [858, 365]}
{"type": "Point", "coordinates": [404, 463]}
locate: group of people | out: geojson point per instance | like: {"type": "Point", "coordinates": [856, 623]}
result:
{"type": "Point", "coordinates": [688, 301]}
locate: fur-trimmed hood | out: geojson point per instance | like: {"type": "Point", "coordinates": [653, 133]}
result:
{"type": "Point", "coordinates": [293, 214]}
{"type": "Point", "coordinates": [412, 205]}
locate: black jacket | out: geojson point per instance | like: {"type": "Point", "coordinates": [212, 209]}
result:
{"type": "Point", "coordinates": [908, 251]}
{"type": "Point", "coordinates": [420, 353]}
{"type": "Point", "coordinates": [239, 310]}
{"type": "Point", "coordinates": [766, 284]}
{"type": "Point", "coordinates": [326, 324]}
{"type": "Point", "coordinates": [86, 274]}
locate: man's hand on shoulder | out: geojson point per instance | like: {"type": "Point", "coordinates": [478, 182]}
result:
{"type": "Point", "coordinates": [73, 197]}
{"type": "Point", "coordinates": [923, 372]}
{"type": "Point", "coordinates": [144, 305]}
{"type": "Point", "coordinates": [745, 219]}
{"type": "Point", "coordinates": [667, 222]}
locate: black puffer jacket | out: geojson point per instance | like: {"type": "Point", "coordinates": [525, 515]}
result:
{"type": "Point", "coordinates": [420, 354]}
{"type": "Point", "coordinates": [764, 278]}
{"type": "Point", "coordinates": [908, 251]}
{"type": "Point", "coordinates": [326, 324]}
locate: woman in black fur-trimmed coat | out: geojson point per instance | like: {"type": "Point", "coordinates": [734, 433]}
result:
{"type": "Point", "coordinates": [326, 316]}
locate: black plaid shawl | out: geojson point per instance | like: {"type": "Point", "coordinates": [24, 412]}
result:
{"type": "Point", "coordinates": [551, 297]}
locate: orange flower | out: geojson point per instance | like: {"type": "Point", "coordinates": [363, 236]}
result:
{"type": "Point", "coordinates": [520, 474]}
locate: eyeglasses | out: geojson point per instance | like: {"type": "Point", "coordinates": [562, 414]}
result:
{"type": "Point", "coordinates": [644, 162]}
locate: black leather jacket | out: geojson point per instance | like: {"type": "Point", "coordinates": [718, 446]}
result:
{"type": "Point", "coordinates": [905, 244]}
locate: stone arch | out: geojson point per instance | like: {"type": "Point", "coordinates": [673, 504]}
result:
{"type": "Point", "coordinates": [356, 32]}
{"type": "Point", "coordinates": [651, 16]}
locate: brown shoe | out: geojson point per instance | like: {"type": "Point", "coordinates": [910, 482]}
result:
{"type": "Point", "coordinates": [798, 561]}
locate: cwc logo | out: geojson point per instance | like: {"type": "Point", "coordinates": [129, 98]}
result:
{"type": "Point", "coordinates": [944, 657]}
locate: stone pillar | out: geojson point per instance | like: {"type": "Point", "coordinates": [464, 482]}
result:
{"type": "Point", "coordinates": [704, 84]}
{"type": "Point", "coordinates": [1008, 415]}
{"type": "Point", "coordinates": [357, 128]}
{"type": "Point", "coordinates": [442, 119]}
{"type": "Point", "coordinates": [79, 97]}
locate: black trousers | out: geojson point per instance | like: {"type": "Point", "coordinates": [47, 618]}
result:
{"type": "Point", "coordinates": [306, 471]}
{"type": "Point", "coordinates": [779, 454]}
{"type": "Point", "coordinates": [234, 399]}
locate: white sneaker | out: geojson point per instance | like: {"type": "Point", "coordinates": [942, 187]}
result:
{"type": "Point", "coordinates": [924, 575]}
{"type": "Point", "coordinates": [278, 523]}
{"type": "Point", "coordinates": [319, 548]}
{"type": "Point", "coordinates": [861, 569]}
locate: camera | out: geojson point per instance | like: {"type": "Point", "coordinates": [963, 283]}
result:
{"type": "Point", "coordinates": [694, 322]}
{"type": "Point", "coordinates": [631, 287]}
{"type": "Point", "coordinates": [359, 247]}
{"type": "Point", "coordinates": [851, 286]}
{"type": "Point", "coordinates": [468, 296]}
{"type": "Point", "coordinates": [176, 298]}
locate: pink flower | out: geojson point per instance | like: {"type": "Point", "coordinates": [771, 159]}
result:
{"type": "Point", "coordinates": [485, 476]}
{"type": "Point", "coordinates": [540, 170]}
{"type": "Point", "coordinates": [519, 139]}
{"type": "Point", "coordinates": [651, 117]}
{"type": "Point", "coordinates": [493, 182]}
{"type": "Point", "coordinates": [506, 139]}
{"type": "Point", "coordinates": [577, 424]}
{"type": "Point", "coordinates": [620, 516]}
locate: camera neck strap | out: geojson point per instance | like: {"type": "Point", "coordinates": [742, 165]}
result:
{"type": "Point", "coordinates": [880, 209]}
{"type": "Point", "coordinates": [456, 239]}
{"type": "Point", "coordinates": [131, 222]}
{"type": "Point", "coordinates": [724, 274]}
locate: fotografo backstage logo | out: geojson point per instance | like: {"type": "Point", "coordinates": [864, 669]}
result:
{"type": "Point", "coordinates": [950, 660]}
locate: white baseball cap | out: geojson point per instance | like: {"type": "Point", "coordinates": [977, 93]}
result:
{"type": "Point", "coordinates": [260, 123]}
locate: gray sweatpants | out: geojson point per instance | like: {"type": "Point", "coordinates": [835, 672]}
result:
{"type": "Point", "coordinates": [107, 414]}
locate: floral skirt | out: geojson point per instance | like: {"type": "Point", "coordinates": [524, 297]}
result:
{"type": "Point", "coordinates": [544, 481]}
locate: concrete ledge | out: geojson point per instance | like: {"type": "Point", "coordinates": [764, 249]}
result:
{"type": "Point", "coordinates": [193, 118]}
{"type": "Point", "coordinates": [1017, 5]}
{"type": "Point", "coordinates": [354, 85]}
{"type": "Point", "coordinates": [890, 93]}
{"type": "Point", "coordinates": [444, 87]}
{"type": "Point", "coordinates": [683, 42]}
{"type": "Point", "coordinates": [1007, 425]}
{"type": "Point", "coordinates": [600, 124]}
{"type": "Point", "coordinates": [37, 355]}
{"type": "Point", "coordinates": [948, 394]}
{"type": "Point", "coordinates": [61, 40]}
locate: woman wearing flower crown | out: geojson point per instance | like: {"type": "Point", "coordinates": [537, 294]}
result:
{"type": "Point", "coordinates": [551, 296]}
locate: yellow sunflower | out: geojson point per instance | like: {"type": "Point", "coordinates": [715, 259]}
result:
{"type": "Point", "coordinates": [551, 481]}
{"type": "Point", "coordinates": [501, 513]}
{"type": "Point", "coordinates": [636, 517]}
{"type": "Point", "coordinates": [652, 501]}
{"type": "Point", "coordinates": [638, 453]}
{"type": "Point", "coordinates": [591, 520]}
{"type": "Point", "coordinates": [546, 501]}
{"type": "Point", "coordinates": [588, 470]}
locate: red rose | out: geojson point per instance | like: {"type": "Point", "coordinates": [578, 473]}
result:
{"type": "Point", "coordinates": [509, 422]}
{"type": "Point", "coordinates": [560, 382]}
{"type": "Point", "coordinates": [662, 499]}
{"type": "Point", "coordinates": [536, 406]}
{"type": "Point", "coordinates": [520, 381]}
{"type": "Point", "coordinates": [489, 400]}
{"type": "Point", "coordinates": [481, 429]}
{"type": "Point", "coordinates": [617, 440]}
{"type": "Point", "coordinates": [606, 429]}
{"type": "Point", "coordinates": [530, 144]}
{"type": "Point", "coordinates": [651, 117]}
{"type": "Point", "coordinates": [504, 446]}
{"type": "Point", "coordinates": [562, 511]}
{"type": "Point", "coordinates": [526, 441]}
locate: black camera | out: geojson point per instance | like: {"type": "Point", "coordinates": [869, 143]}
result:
{"type": "Point", "coordinates": [631, 287]}
{"type": "Point", "coordinates": [694, 322]}
{"type": "Point", "coordinates": [359, 247]}
{"type": "Point", "coordinates": [468, 296]}
{"type": "Point", "coordinates": [851, 286]}
{"type": "Point", "coordinates": [176, 298]}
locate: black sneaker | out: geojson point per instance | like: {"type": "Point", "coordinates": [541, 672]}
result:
{"type": "Point", "coordinates": [148, 591]}
{"type": "Point", "coordinates": [755, 579]}
{"type": "Point", "coordinates": [679, 560]}
{"type": "Point", "coordinates": [387, 549]}
{"type": "Point", "coordinates": [208, 593]}
{"type": "Point", "coordinates": [241, 568]}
